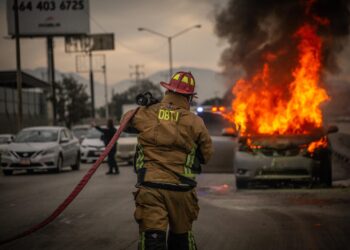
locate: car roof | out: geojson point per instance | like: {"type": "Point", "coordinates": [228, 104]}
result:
{"type": "Point", "coordinates": [45, 128]}
{"type": "Point", "coordinates": [6, 135]}
{"type": "Point", "coordinates": [86, 126]}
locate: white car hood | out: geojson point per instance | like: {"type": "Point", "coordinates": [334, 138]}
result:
{"type": "Point", "coordinates": [92, 142]}
{"type": "Point", "coordinates": [28, 147]}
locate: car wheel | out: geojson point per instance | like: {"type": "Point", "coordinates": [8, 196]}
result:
{"type": "Point", "coordinates": [59, 165]}
{"type": "Point", "coordinates": [76, 166]}
{"type": "Point", "coordinates": [7, 172]}
{"type": "Point", "coordinates": [241, 184]}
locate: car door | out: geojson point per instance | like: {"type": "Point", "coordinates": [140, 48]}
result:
{"type": "Point", "coordinates": [73, 147]}
{"type": "Point", "coordinates": [64, 143]}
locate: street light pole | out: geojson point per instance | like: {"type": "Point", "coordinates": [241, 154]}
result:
{"type": "Point", "coordinates": [169, 38]}
{"type": "Point", "coordinates": [170, 58]}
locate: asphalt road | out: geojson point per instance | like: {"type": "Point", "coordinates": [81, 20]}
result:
{"type": "Point", "coordinates": [102, 215]}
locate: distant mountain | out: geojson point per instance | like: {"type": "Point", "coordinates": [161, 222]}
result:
{"type": "Point", "coordinates": [209, 83]}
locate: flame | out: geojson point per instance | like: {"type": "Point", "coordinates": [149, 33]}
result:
{"type": "Point", "coordinates": [322, 143]}
{"type": "Point", "coordinates": [264, 107]}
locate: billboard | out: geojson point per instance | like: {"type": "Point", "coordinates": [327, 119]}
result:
{"type": "Point", "coordinates": [90, 42]}
{"type": "Point", "coordinates": [49, 17]}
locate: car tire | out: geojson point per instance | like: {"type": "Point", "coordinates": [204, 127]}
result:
{"type": "Point", "coordinates": [76, 166]}
{"type": "Point", "coordinates": [241, 184]}
{"type": "Point", "coordinates": [59, 165]}
{"type": "Point", "coordinates": [7, 172]}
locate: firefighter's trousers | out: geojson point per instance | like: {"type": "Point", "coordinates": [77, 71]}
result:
{"type": "Point", "coordinates": [158, 210]}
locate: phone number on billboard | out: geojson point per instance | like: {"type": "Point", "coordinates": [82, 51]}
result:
{"type": "Point", "coordinates": [51, 5]}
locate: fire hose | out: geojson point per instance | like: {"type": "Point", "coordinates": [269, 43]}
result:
{"type": "Point", "coordinates": [79, 187]}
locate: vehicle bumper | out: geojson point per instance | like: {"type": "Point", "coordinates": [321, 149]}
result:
{"type": "Point", "coordinates": [42, 163]}
{"type": "Point", "coordinates": [125, 156]}
{"type": "Point", "coordinates": [90, 155]}
{"type": "Point", "coordinates": [298, 168]}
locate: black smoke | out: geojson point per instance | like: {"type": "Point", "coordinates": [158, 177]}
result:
{"type": "Point", "coordinates": [255, 28]}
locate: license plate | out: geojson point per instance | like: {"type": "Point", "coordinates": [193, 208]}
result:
{"type": "Point", "coordinates": [98, 153]}
{"type": "Point", "coordinates": [25, 162]}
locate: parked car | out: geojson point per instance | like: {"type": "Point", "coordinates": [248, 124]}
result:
{"type": "Point", "coordinates": [126, 147]}
{"type": "Point", "coordinates": [92, 146]}
{"type": "Point", "coordinates": [5, 140]}
{"type": "Point", "coordinates": [80, 131]}
{"type": "Point", "coordinates": [41, 148]}
{"type": "Point", "coordinates": [223, 158]}
{"type": "Point", "coordinates": [284, 158]}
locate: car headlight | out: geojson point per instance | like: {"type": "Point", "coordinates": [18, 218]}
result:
{"type": "Point", "coordinates": [83, 146]}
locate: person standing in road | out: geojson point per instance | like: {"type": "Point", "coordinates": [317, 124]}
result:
{"type": "Point", "coordinates": [107, 134]}
{"type": "Point", "coordinates": [170, 140]}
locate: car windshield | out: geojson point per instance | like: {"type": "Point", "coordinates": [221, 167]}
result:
{"type": "Point", "coordinates": [37, 136]}
{"type": "Point", "coordinates": [214, 122]}
{"type": "Point", "coordinates": [4, 140]}
{"type": "Point", "coordinates": [93, 134]}
{"type": "Point", "coordinates": [79, 132]}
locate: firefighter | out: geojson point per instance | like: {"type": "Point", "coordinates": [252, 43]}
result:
{"type": "Point", "coordinates": [171, 140]}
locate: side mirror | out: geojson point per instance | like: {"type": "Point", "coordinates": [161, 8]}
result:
{"type": "Point", "coordinates": [64, 140]}
{"type": "Point", "coordinates": [229, 132]}
{"type": "Point", "coordinates": [332, 129]}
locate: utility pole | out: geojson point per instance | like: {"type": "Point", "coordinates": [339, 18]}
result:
{"type": "Point", "coordinates": [137, 73]}
{"type": "Point", "coordinates": [18, 70]}
{"type": "Point", "coordinates": [92, 92]}
{"type": "Point", "coordinates": [104, 68]}
{"type": "Point", "coordinates": [51, 75]}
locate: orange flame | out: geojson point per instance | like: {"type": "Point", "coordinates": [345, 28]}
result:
{"type": "Point", "coordinates": [262, 108]}
{"type": "Point", "coordinates": [322, 143]}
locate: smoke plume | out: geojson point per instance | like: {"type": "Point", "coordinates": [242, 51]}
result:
{"type": "Point", "coordinates": [264, 30]}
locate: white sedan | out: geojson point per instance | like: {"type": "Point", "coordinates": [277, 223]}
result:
{"type": "Point", "coordinates": [41, 148]}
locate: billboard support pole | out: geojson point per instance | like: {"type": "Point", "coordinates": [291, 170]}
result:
{"type": "Point", "coordinates": [51, 75]}
{"type": "Point", "coordinates": [92, 92]}
{"type": "Point", "coordinates": [106, 91]}
{"type": "Point", "coordinates": [18, 70]}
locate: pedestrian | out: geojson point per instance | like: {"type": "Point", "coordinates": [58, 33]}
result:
{"type": "Point", "coordinates": [170, 136]}
{"type": "Point", "coordinates": [107, 134]}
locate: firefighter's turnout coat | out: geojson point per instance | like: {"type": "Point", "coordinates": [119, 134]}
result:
{"type": "Point", "coordinates": [169, 136]}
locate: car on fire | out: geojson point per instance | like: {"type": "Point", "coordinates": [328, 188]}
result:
{"type": "Point", "coordinates": [277, 159]}
{"type": "Point", "coordinates": [41, 148]}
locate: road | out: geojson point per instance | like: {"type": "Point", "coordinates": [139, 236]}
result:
{"type": "Point", "coordinates": [102, 215]}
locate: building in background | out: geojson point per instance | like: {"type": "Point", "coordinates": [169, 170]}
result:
{"type": "Point", "coordinates": [35, 104]}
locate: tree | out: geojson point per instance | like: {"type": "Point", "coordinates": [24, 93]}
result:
{"type": "Point", "coordinates": [72, 101]}
{"type": "Point", "coordinates": [129, 96]}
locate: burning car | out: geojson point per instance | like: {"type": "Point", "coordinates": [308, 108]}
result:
{"type": "Point", "coordinates": [284, 158]}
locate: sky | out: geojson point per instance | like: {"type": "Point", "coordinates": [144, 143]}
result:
{"type": "Point", "coordinates": [197, 48]}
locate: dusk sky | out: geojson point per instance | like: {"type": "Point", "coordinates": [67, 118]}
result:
{"type": "Point", "coordinates": [197, 48]}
